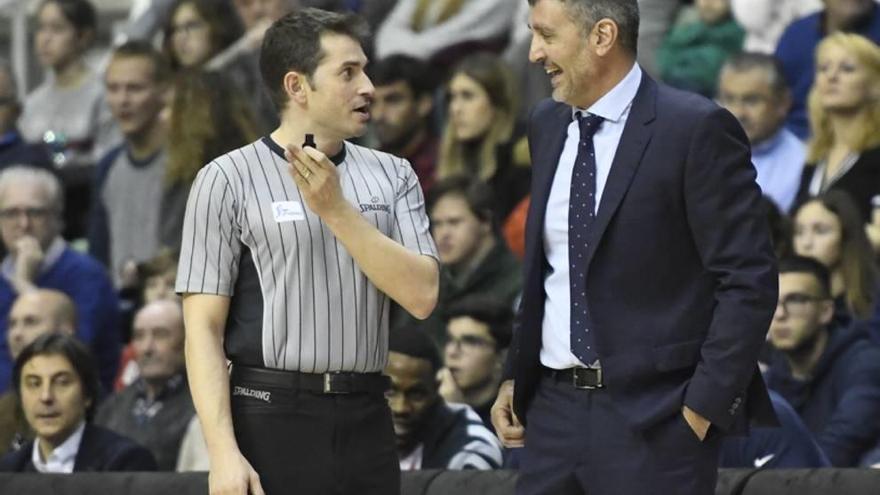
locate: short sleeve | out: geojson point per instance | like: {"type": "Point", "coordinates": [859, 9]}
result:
{"type": "Point", "coordinates": [211, 245]}
{"type": "Point", "coordinates": [412, 228]}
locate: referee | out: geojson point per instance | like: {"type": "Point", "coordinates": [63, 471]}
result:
{"type": "Point", "coordinates": [289, 259]}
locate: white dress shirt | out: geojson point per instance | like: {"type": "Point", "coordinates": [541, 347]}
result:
{"type": "Point", "coordinates": [614, 107]}
{"type": "Point", "coordinates": [63, 458]}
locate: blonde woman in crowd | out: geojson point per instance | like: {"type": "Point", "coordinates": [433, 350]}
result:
{"type": "Point", "coordinates": [844, 108]}
{"type": "Point", "coordinates": [481, 139]}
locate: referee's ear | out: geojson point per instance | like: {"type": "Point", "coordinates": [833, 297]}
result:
{"type": "Point", "coordinates": [297, 87]}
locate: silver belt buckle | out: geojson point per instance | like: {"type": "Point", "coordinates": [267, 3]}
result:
{"type": "Point", "coordinates": [583, 385]}
{"type": "Point", "coordinates": [328, 385]}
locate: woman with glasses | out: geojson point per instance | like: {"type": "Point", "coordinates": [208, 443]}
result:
{"type": "Point", "coordinates": [198, 30]}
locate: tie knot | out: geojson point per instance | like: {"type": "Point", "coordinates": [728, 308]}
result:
{"type": "Point", "coordinates": [589, 124]}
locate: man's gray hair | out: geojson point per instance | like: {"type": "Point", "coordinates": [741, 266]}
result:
{"type": "Point", "coordinates": [747, 61]}
{"type": "Point", "coordinates": [624, 13]}
{"type": "Point", "coordinates": [17, 175]}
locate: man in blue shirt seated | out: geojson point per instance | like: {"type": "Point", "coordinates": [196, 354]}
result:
{"type": "Point", "coordinates": [57, 382]}
{"type": "Point", "coordinates": [430, 433]}
{"type": "Point", "coordinates": [752, 86]}
{"type": "Point", "coordinates": [829, 374]}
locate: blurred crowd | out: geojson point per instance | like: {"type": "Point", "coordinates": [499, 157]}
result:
{"type": "Point", "coordinates": [92, 373]}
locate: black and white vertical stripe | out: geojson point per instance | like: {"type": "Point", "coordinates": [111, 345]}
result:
{"type": "Point", "coordinates": [320, 312]}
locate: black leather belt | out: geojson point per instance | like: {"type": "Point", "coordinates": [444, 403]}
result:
{"type": "Point", "coordinates": [581, 378]}
{"type": "Point", "coordinates": [337, 382]}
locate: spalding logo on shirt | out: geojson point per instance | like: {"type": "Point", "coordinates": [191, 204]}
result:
{"type": "Point", "coordinates": [375, 206]}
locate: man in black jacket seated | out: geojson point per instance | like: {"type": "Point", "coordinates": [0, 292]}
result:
{"type": "Point", "coordinates": [57, 383]}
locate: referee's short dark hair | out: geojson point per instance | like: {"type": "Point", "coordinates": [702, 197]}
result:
{"type": "Point", "coordinates": [488, 310]}
{"type": "Point", "coordinates": [144, 49]}
{"type": "Point", "coordinates": [412, 71]}
{"type": "Point", "coordinates": [810, 266]}
{"type": "Point", "coordinates": [476, 193]}
{"type": "Point", "coordinates": [79, 356]}
{"type": "Point", "coordinates": [293, 43]}
{"type": "Point", "coordinates": [414, 342]}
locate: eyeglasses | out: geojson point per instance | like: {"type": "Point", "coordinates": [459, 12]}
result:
{"type": "Point", "coordinates": [12, 214]}
{"type": "Point", "coordinates": [470, 342]}
{"type": "Point", "coordinates": [797, 304]}
{"type": "Point", "coordinates": [187, 28]}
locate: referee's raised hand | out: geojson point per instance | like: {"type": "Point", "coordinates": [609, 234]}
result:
{"type": "Point", "coordinates": [317, 179]}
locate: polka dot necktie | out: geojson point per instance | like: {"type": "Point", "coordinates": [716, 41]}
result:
{"type": "Point", "coordinates": [581, 208]}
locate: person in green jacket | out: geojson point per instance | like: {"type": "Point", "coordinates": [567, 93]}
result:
{"type": "Point", "coordinates": [692, 54]}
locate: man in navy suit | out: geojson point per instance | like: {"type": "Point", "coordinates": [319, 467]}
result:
{"type": "Point", "coordinates": [649, 279]}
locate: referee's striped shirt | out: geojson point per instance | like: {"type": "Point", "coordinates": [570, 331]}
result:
{"type": "Point", "coordinates": [298, 299]}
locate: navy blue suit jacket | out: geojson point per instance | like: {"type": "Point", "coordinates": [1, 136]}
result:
{"type": "Point", "coordinates": [681, 277]}
{"type": "Point", "coordinates": [99, 450]}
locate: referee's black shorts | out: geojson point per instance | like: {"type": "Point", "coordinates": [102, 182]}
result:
{"type": "Point", "coordinates": [310, 443]}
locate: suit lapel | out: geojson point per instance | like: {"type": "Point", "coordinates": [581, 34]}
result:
{"type": "Point", "coordinates": [636, 136]}
{"type": "Point", "coordinates": [546, 148]}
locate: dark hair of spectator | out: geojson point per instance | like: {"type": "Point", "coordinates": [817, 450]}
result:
{"type": "Point", "coordinates": [413, 342]}
{"type": "Point", "coordinates": [624, 13]}
{"type": "Point", "coordinates": [143, 49]}
{"type": "Point", "coordinates": [79, 13]}
{"type": "Point", "coordinates": [79, 356]}
{"type": "Point", "coordinates": [495, 77]}
{"type": "Point", "coordinates": [412, 71]}
{"type": "Point", "coordinates": [803, 264]}
{"type": "Point", "coordinates": [293, 43]}
{"type": "Point", "coordinates": [780, 228]}
{"type": "Point", "coordinates": [223, 22]}
{"type": "Point", "coordinates": [856, 255]}
{"type": "Point", "coordinates": [210, 116]}
{"type": "Point", "coordinates": [748, 61]}
{"type": "Point", "coordinates": [488, 310]}
{"type": "Point", "coordinates": [476, 193]}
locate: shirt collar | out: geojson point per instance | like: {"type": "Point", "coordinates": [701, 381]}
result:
{"type": "Point", "coordinates": [63, 457]}
{"type": "Point", "coordinates": [770, 143]}
{"type": "Point", "coordinates": [614, 104]}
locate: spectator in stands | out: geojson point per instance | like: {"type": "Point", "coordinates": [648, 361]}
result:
{"type": "Point", "coordinates": [430, 433]}
{"type": "Point", "coordinates": [156, 409]}
{"type": "Point", "coordinates": [844, 106]}
{"type": "Point", "coordinates": [155, 282]}
{"type": "Point", "coordinates": [14, 150]}
{"type": "Point", "coordinates": [481, 139]}
{"type": "Point", "coordinates": [31, 208]}
{"type": "Point", "coordinates": [33, 314]}
{"type": "Point", "coordinates": [210, 116]}
{"type": "Point", "coordinates": [401, 113]}
{"type": "Point", "coordinates": [797, 49]}
{"type": "Point", "coordinates": [828, 229]}
{"type": "Point", "coordinates": [753, 88]}
{"type": "Point", "coordinates": [441, 32]}
{"type": "Point", "coordinates": [764, 21]}
{"type": "Point", "coordinates": [57, 382]}
{"type": "Point", "coordinates": [656, 17]}
{"type": "Point", "coordinates": [198, 30]}
{"type": "Point", "coordinates": [157, 277]}
{"type": "Point", "coordinates": [67, 111]}
{"type": "Point", "coordinates": [241, 60]}
{"type": "Point", "coordinates": [472, 257]}
{"type": "Point", "coordinates": [788, 446]}
{"type": "Point", "coordinates": [692, 53]}
{"type": "Point", "coordinates": [124, 227]}
{"type": "Point", "coordinates": [478, 331]}
{"type": "Point", "coordinates": [830, 375]}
